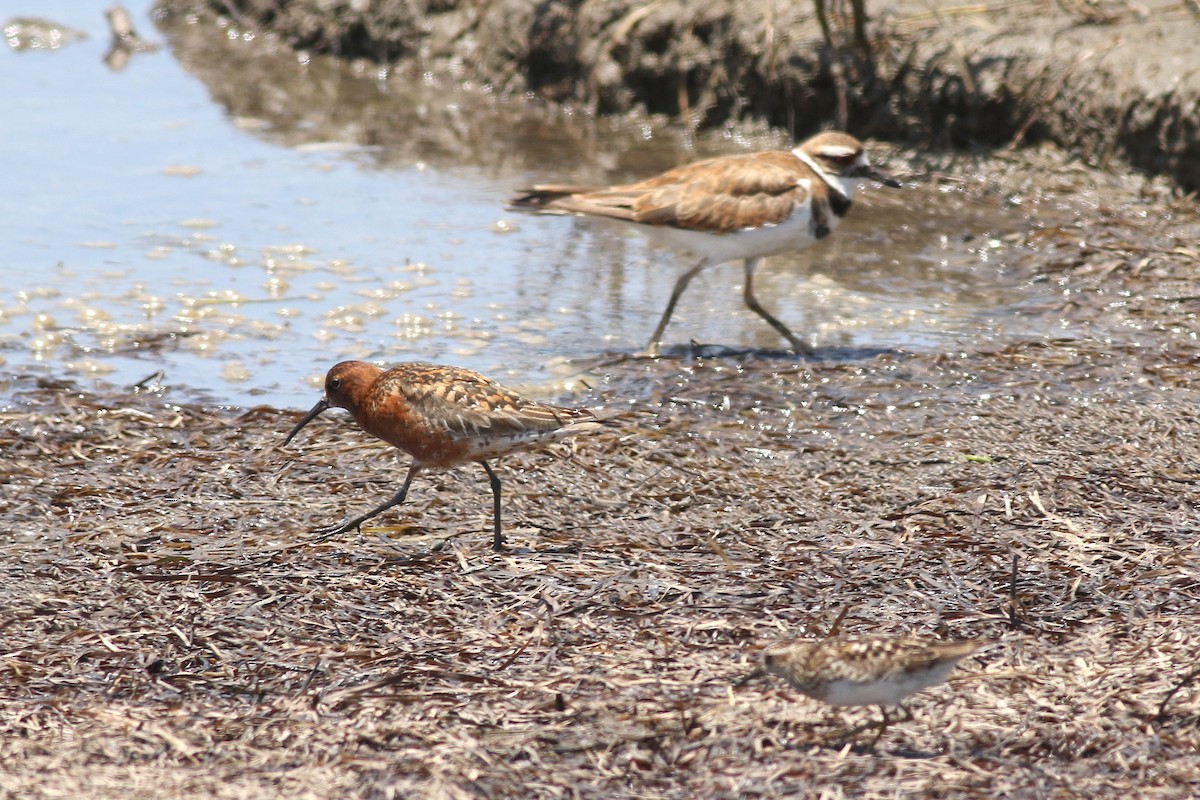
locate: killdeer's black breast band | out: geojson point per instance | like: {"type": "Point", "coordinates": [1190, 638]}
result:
{"type": "Point", "coordinates": [820, 218]}
{"type": "Point", "coordinates": [839, 203]}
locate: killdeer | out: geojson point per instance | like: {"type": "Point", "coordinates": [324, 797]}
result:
{"type": "Point", "coordinates": [864, 670]}
{"type": "Point", "coordinates": [743, 206]}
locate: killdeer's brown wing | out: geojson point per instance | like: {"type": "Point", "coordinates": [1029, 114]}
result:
{"type": "Point", "coordinates": [727, 194]}
{"type": "Point", "coordinates": [718, 195]}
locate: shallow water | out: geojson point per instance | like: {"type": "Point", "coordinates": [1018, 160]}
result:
{"type": "Point", "coordinates": [240, 239]}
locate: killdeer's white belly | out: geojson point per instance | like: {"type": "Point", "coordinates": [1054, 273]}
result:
{"type": "Point", "coordinates": [794, 233]}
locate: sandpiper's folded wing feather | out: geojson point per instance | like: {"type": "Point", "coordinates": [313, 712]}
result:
{"type": "Point", "coordinates": [884, 658]}
{"type": "Point", "coordinates": [465, 404]}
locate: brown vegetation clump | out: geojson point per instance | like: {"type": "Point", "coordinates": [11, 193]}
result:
{"type": "Point", "coordinates": [172, 627]}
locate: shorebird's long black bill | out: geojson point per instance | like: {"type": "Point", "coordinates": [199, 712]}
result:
{"type": "Point", "coordinates": [886, 180]}
{"type": "Point", "coordinates": [309, 417]}
{"type": "Point", "coordinates": [760, 672]}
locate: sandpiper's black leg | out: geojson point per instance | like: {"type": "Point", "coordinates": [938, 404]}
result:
{"type": "Point", "coordinates": [396, 500]}
{"type": "Point", "coordinates": [497, 536]}
{"type": "Point", "coordinates": [883, 726]}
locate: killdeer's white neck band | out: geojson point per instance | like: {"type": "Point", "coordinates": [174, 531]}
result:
{"type": "Point", "coordinates": [831, 181]}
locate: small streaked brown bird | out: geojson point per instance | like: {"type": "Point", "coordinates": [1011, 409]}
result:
{"type": "Point", "coordinates": [864, 670]}
{"type": "Point", "coordinates": [443, 416]}
{"type": "Point", "coordinates": [744, 206]}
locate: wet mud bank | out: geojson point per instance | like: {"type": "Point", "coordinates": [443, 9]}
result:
{"type": "Point", "coordinates": [1103, 80]}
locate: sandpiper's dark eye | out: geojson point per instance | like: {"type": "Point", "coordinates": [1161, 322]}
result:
{"type": "Point", "coordinates": [335, 384]}
{"type": "Point", "coordinates": [846, 160]}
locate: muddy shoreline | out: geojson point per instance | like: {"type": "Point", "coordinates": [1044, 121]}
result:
{"type": "Point", "coordinates": [172, 628]}
{"type": "Point", "coordinates": [1104, 81]}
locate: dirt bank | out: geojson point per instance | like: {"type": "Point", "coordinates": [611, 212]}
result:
{"type": "Point", "coordinates": [1104, 80]}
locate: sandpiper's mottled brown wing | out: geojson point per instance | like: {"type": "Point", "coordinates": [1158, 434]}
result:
{"type": "Point", "coordinates": [718, 195]}
{"type": "Point", "coordinates": [882, 658]}
{"type": "Point", "coordinates": [466, 405]}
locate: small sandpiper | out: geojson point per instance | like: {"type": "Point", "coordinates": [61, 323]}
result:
{"type": "Point", "coordinates": [864, 670]}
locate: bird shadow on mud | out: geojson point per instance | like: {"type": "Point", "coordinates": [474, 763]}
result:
{"type": "Point", "coordinates": [698, 350]}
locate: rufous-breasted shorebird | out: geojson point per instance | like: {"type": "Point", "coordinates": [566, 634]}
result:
{"type": "Point", "coordinates": [443, 416]}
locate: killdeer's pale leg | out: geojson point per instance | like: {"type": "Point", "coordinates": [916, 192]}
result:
{"type": "Point", "coordinates": [680, 285]}
{"type": "Point", "coordinates": [798, 345]}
